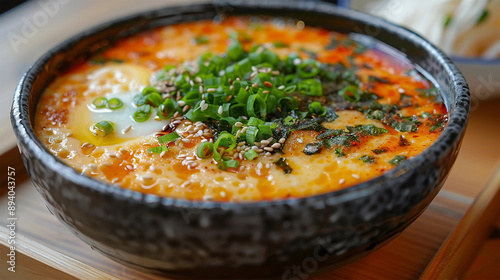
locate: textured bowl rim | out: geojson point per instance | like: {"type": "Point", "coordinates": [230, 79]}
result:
{"type": "Point", "coordinates": [21, 123]}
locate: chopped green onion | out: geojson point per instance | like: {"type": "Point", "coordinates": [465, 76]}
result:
{"type": "Point", "coordinates": [205, 150]}
{"type": "Point", "coordinates": [154, 99]}
{"type": "Point", "coordinates": [100, 102]}
{"type": "Point", "coordinates": [115, 103]}
{"type": "Point", "coordinates": [201, 40]}
{"type": "Point", "coordinates": [142, 113]}
{"type": "Point", "coordinates": [235, 51]}
{"type": "Point", "coordinates": [168, 137]}
{"type": "Point", "coordinates": [279, 44]}
{"type": "Point", "coordinates": [158, 150]}
{"type": "Point", "coordinates": [350, 93]}
{"type": "Point", "coordinates": [103, 128]}
{"type": "Point", "coordinates": [167, 68]}
{"type": "Point", "coordinates": [311, 87]}
{"type": "Point", "coordinates": [251, 154]}
{"type": "Point", "coordinates": [166, 109]}
{"type": "Point", "coordinates": [148, 90]}
{"type": "Point", "coordinates": [317, 109]}
{"type": "Point", "coordinates": [289, 120]}
{"type": "Point", "coordinates": [225, 164]}
{"type": "Point", "coordinates": [308, 69]}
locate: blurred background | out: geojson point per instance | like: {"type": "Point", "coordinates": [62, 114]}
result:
{"type": "Point", "coordinates": [467, 30]}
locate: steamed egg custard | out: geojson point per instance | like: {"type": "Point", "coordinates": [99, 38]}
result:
{"type": "Point", "coordinates": [239, 110]}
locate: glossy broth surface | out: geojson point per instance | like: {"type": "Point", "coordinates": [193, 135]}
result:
{"type": "Point", "coordinates": [391, 114]}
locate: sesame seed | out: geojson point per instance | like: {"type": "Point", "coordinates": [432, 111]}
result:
{"type": "Point", "coordinates": [106, 164]}
{"type": "Point", "coordinates": [191, 83]}
{"type": "Point", "coordinates": [282, 140]}
{"type": "Point", "coordinates": [264, 142]}
{"type": "Point", "coordinates": [240, 155]}
{"type": "Point", "coordinates": [182, 103]}
{"type": "Point", "coordinates": [254, 68]}
{"type": "Point", "coordinates": [194, 164]}
{"type": "Point", "coordinates": [247, 148]}
{"type": "Point", "coordinates": [341, 181]}
{"type": "Point", "coordinates": [220, 110]}
{"type": "Point", "coordinates": [258, 172]}
{"type": "Point", "coordinates": [255, 85]}
{"type": "Point", "coordinates": [276, 145]}
{"type": "Point", "coordinates": [181, 156]}
{"type": "Point", "coordinates": [269, 149]}
{"type": "Point", "coordinates": [204, 107]}
{"type": "Point", "coordinates": [244, 117]}
{"type": "Point", "coordinates": [69, 134]}
{"type": "Point", "coordinates": [206, 134]}
{"type": "Point", "coordinates": [300, 140]}
{"type": "Point", "coordinates": [147, 177]}
{"type": "Point", "coordinates": [177, 115]}
{"type": "Point", "coordinates": [93, 166]}
{"type": "Point", "coordinates": [222, 193]}
{"type": "Point", "coordinates": [355, 176]}
{"type": "Point", "coordinates": [126, 129]}
{"type": "Point", "coordinates": [231, 87]}
{"type": "Point", "coordinates": [198, 80]}
{"type": "Point", "coordinates": [268, 84]}
{"type": "Point", "coordinates": [152, 168]}
{"type": "Point", "coordinates": [244, 129]}
{"type": "Point", "coordinates": [259, 165]}
{"type": "Point", "coordinates": [203, 140]}
{"type": "Point", "coordinates": [162, 153]}
{"type": "Point", "coordinates": [241, 143]}
{"type": "Point", "coordinates": [189, 127]}
{"type": "Point", "coordinates": [275, 72]}
{"type": "Point", "coordinates": [185, 108]}
{"type": "Point", "coordinates": [281, 87]}
{"type": "Point", "coordinates": [238, 124]}
{"type": "Point", "coordinates": [186, 140]}
{"type": "Point", "coordinates": [267, 154]}
{"type": "Point", "coordinates": [401, 90]}
{"type": "Point", "coordinates": [259, 150]}
{"type": "Point", "coordinates": [114, 180]}
{"type": "Point", "coordinates": [202, 103]}
{"type": "Point", "coordinates": [246, 88]}
{"type": "Point", "coordinates": [270, 177]}
{"type": "Point", "coordinates": [176, 122]}
{"type": "Point", "coordinates": [228, 98]}
{"type": "Point", "coordinates": [211, 90]}
{"type": "Point", "coordinates": [268, 165]}
{"type": "Point", "coordinates": [297, 61]}
{"type": "Point", "coordinates": [200, 89]}
{"type": "Point", "coordinates": [255, 148]}
{"type": "Point", "coordinates": [130, 167]}
{"type": "Point", "coordinates": [265, 91]}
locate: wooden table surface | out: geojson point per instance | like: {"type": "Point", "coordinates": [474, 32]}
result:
{"type": "Point", "coordinates": [47, 250]}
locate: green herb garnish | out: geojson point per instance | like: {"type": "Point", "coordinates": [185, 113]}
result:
{"type": "Point", "coordinates": [397, 160]}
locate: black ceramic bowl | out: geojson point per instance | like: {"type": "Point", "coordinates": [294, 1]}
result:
{"type": "Point", "coordinates": [241, 240]}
